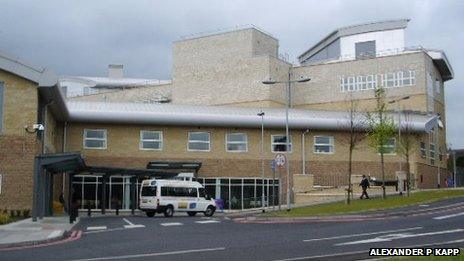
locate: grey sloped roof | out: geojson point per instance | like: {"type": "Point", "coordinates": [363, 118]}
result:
{"type": "Point", "coordinates": [352, 30]}
{"type": "Point", "coordinates": [41, 76]}
{"type": "Point", "coordinates": [217, 116]}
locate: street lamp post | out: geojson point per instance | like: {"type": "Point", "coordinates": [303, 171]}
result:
{"type": "Point", "coordinates": [261, 114]}
{"type": "Point", "coordinates": [287, 136]}
{"type": "Point", "coordinates": [399, 121]}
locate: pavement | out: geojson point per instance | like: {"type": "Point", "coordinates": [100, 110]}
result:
{"type": "Point", "coordinates": [221, 238]}
{"type": "Point", "coordinates": [26, 232]}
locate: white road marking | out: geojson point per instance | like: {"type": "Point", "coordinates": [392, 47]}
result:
{"type": "Point", "coordinates": [96, 228]}
{"type": "Point", "coordinates": [391, 237]}
{"type": "Point", "coordinates": [131, 225]}
{"type": "Point", "coordinates": [449, 216]}
{"type": "Point", "coordinates": [55, 233]}
{"type": "Point", "coordinates": [207, 221]}
{"type": "Point", "coordinates": [128, 222]}
{"type": "Point", "coordinates": [171, 224]}
{"type": "Point", "coordinates": [363, 234]}
{"type": "Point", "coordinates": [423, 206]}
{"type": "Point", "coordinates": [365, 251]}
{"type": "Point", "coordinates": [134, 226]}
{"type": "Point", "coordinates": [154, 254]}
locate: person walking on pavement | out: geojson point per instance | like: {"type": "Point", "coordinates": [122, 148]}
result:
{"type": "Point", "coordinates": [364, 185]}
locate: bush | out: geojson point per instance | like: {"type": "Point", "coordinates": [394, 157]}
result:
{"type": "Point", "coordinates": [26, 213]}
{"type": "Point", "coordinates": [4, 219]}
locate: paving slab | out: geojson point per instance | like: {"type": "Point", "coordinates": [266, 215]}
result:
{"type": "Point", "coordinates": [27, 232]}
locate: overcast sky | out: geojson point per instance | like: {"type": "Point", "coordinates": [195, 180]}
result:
{"type": "Point", "coordinates": [82, 37]}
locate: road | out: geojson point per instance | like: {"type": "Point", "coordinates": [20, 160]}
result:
{"type": "Point", "coordinates": [219, 238]}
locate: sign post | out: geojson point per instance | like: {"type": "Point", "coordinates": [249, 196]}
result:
{"type": "Point", "coordinates": [273, 167]}
{"type": "Point", "coordinates": [280, 161]}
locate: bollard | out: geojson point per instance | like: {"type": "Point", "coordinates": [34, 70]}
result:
{"type": "Point", "coordinates": [117, 211]}
{"type": "Point", "coordinates": [89, 211]}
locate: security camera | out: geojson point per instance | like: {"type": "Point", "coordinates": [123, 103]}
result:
{"type": "Point", "coordinates": [38, 127]}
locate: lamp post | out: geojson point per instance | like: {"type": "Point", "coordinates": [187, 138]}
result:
{"type": "Point", "coordinates": [287, 136]}
{"type": "Point", "coordinates": [399, 120]}
{"type": "Point", "coordinates": [261, 114]}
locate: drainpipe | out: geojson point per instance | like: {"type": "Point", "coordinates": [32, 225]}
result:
{"type": "Point", "coordinates": [303, 150]}
{"type": "Point", "coordinates": [65, 136]}
{"type": "Point", "coordinates": [44, 120]}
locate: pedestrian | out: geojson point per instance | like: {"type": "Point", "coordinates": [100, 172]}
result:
{"type": "Point", "coordinates": [63, 202]}
{"type": "Point", "coordinates": [364, 185]}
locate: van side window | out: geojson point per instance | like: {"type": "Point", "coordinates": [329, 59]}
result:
{"type": "Point", "coordinates": [178, 192]}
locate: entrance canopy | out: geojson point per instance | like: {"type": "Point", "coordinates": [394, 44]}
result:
{"type": "Point", "coordinates": [48, 165]}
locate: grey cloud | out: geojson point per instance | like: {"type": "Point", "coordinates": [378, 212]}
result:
{"type": "Point", "coordinates": [82, 37]}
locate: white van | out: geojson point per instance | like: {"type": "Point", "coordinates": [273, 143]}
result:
{"type": "Point", "coordinates": [167, 196]}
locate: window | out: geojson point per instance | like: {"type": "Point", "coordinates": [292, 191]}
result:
{"type": "Point", "coordinates": [199, 141]}
{"type": "Point", "coordinates": [390, 80]}
{"type": "Point", "coordinates": [440, 154]}
{"type": "Point", "coordinates": [151, 140]}
{"type": "Point", "coordinates": [86, 91]}
{"type": "Point", "coordinates": [179, 192]}
{"type": "Point", "coordinates": [95, 139]}
{"type": "Point", "coordinates": [1, 106]}
{"type": "Point", "coordinates": [148, 191]}
{"type": "Point", "coordinates": [358, 83]}
{"type": "Point", "coordinates": [423, 150]}
{"type": "Point", "coordinates": [390, 147]}
{"type": "Point", "coordinates": [323, 144]}
{"type": "Point", "coordinates": [432, 154]}
{"type": "Point", "coordinates": [365, 49]}
{"type": "Point", "coordinates": [408, 78]}
{"type": "Point", "coordinates": [279, 143]}
{"type": "Point", "coordinates": [236, 142]}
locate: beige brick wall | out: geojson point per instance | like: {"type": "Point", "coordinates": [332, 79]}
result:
{"type": "Point", "coordinates": [329, 169]}
{"type": "Point", "coordinates": [20, 95]}
{"type": "Point", "coordinates": [17, 148]}
{"type": "Point", "coordinates": [324, 87]}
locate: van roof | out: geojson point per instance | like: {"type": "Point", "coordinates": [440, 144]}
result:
{"type": "Point", "coordinates": [172, 182]}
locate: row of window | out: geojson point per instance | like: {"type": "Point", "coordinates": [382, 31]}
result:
{"type": "Point", "coordinates": [423, 152]}
{"type": "Point", "coordinates": [201, 141]}
{"type": "Point", "coordinates": [372, 81]}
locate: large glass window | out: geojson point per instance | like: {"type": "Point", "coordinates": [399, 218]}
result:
{"type": "Point", "coordinates": [236, 142]}
{"type": "Point", "coordinates": [95, 139]}
{"type": "Point", "coordinates": [279, 143]}
{"type": "Point", "coordinates": [151, 140]}
{"type": "Point", "coordinates": [365, 49]}
{"type": "Point", "coordinates": [423, 150]}
{"type": "Point", "coordinates": [390, 146]}
{"type": "Point", "coordinates": [323, 144]}
{"type": "Point", "coordinates": [199, 141]}
{"type": "Point", "coordinates": [432, 154]}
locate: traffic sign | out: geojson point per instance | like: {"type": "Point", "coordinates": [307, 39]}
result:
{"type": "Point", "coordinates": [280, 160]}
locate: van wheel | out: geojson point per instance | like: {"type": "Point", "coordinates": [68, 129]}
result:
{"type": "Point", "coordinates": [209, 211]}
{"type": "Point", "coordinates": [150, 214]}
{"type": "Point", "coordinates": [191, 213]}
{"type": "Point", "coordinates": [169, 211]}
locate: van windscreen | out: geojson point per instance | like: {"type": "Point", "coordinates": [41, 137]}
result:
{"type": "Point", "coordinates": [148, 191]}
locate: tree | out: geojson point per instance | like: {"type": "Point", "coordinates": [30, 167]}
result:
{"type": "Point", "coordinates": [354, 124]}
{"type": "Point", "coordinates": [381, 130]}
{"type": "Point", "coordinates": [406, 146]}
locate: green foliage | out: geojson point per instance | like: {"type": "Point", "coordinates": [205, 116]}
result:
{"type": "Point", "coordinates": [4, 219]}
{"type": "Point", "coordinates": [381, 127]}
